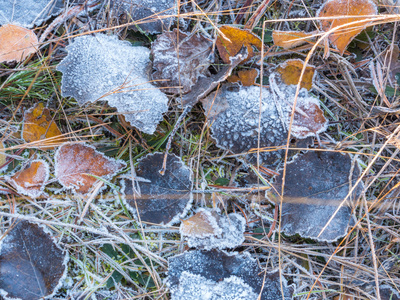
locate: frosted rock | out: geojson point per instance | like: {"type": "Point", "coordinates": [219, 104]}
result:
{"type": "Point", "coordinates": [101, 67]}
{"type": "Point", "coordinates": [28, 13]}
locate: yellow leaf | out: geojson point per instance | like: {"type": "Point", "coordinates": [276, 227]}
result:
{"type": "Point", "coordinates": [291, 39]}
{"type": "Point", "coordinates": [39, 125]}
{"type": "Point", "coordinates": [16, 43]}
{"type": "Point", "coordinates": [290, 72]}
{"type": "Point", "coordinates": [246, 77]}
{"type": "Point", "coordinates": [342, 37]}
{"type": "Point", "coordinates": [237, 38]}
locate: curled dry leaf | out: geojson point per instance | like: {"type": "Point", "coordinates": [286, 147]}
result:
{"type": "Point", "coordinates": [16, 42]}
{"type": "Point", "coordinates": [291, 39]}
{"type": "Point", "coordinates": [208, 230]}
{"type": "Point", "coordinates": [233, 115]}
{"type": "Point", "coordinates": [75, 163]}
{"type": "Point", "coordinates": [28, 13]}
{"type": "Point", "coordinates": [290, 72]}
{"type": "Point", "coordinates": [160, 199]}
{"type": "Point", "coordinates": [30, 181]}
{"type": "Point", "coordinates": [32, 265]}
{"type": "Point", "coordinates": [151, 16]}
{"type": "Point", "coordinates": [180, 68]}
{"type": "Point", "coordinates": [101, 67]}
{"type": "Point", "coordinates": [316, 184]}
{"type": "Point", "coordinates": [337, 9]}
{"type": "Point", "coordinates": [246, 77]}
{"type": "Point", "coordinates": [233, 39]}
{"type": "Point", "coordinates": [193, 274]}
{"type": "Point", "coordinates": [2, 155]}
{"type": "Point", "coordinates": [39, 125]}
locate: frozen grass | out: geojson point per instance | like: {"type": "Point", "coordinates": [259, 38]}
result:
{"type": "Point", "coordinates": [110, 251]}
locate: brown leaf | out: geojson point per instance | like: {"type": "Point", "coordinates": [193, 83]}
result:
{"type": "Point", "coordinates": [31, 264]}
{"type": "Point", "coordinates": [291, 39]}
{"type": "Point", "coordinates": [311, 122]}
{"type": "Point", "coordinates": [2, 155]}
{"type": "Point", "coordinates": [391, 62]}
{"type": "Point", "coordinates": [16, 43]}
{"type": "Point", "coordinates": [290, 72]}
{"type": "Point", "coordinates": [74, 163]}
{"type": "Point", "coordinates": [180, 69]}
{"type": "Point", "coordinates": [237, 39]}
{"type": "Point", "coordinates": [30, 181]}
{"type": "Point", "coordinates": [39, 125]}
{"type": "Point", "coordinates": [342, 37]}
{"type": "Point", "coordinates": [246, 77]}
{"type": "Point", "coordinates": [200, 225]}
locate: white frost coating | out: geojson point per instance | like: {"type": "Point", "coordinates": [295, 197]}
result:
{"type": "Point", "coordinates": [28, 13]}
{"type": "Point", "coordinates": [27, 188]}
{"type": "Point", "coordinates": [194, 287]}
{"type": "Point", "coordinates": [229, 233]}
{"type": "Point", "coordinates": [101, 67]}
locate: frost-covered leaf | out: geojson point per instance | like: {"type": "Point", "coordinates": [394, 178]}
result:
{"type": "Point", "coordinates": [233, 114]}
{"type": "Point", "coordinates": [101, 67]}
{"type": "Point", "coordinates": [28, 13]}
{"type": "Point", "coordinates": [316, 183]}
{"type": "Point", "coordinates": [208, 230]}
{"type": "Point", "coordinates": [39, 125]}
{"type": "Point", "coordinates": [290, 72]}
{"type": "Point", "coordinates": [390, 61]}
{"type": "Point", "coordinates": [195, 287]}
{"type": "Point", "coordinates": [152, 16]}
{"type": "Point", "coordinates": [388, 293]}
{"type": "Point", "coordinates": [237, 38]}
{"type": "Point", "coordinates": [16, 42]}
{"type": "Point", "coordinates": [206, 84]}
{"type": "Point", "coordinates": [234, 271]}
{"type": "Point", "coordinates": [338, 9]}
{"type": "Point", "coordinates": [245, 77]}
{"type": "Point", "coordinates": [30, 180]}
{"type": "Point", "coordinates": [160, 199]}
{"type": "Point", "coordinates": [32, 266]}
{"type": "Point", "coordinates": [75, 163]}
{"type": "Point", "coordinates": [175, 69]}
{"type": "Point", "coordinates": [291, 39]}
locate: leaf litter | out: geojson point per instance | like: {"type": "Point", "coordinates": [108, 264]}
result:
{"type": "Point", "coordinates": [101, 67]}
{"type": "Point", "coordinates": [208, 230]}
{"type": "Point", "coordinates": [317, 188]}
{"type": "Point", "coordinates": [32, 265]}
{"type": "Point", "coordinates": [155, 198]}
{"type": "Point", "coordinates": [203, 274]}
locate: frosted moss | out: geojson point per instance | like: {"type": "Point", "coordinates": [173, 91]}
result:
{"type": "Point", "coordinates": [101, 67]}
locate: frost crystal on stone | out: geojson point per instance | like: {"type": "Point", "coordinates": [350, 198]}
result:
{"type": "Point", "coordinates": [28, 13]}
{"type": "Point", "coordinates": [316, 183]}
{"type": "Point", "coordinates": [239, 274]}
{"type": "Point", "coordinates": [101, 67]}
{"type": "Point", "coordinates": [227, 231]}
{"type": "Point", "coordinates": [160, 199]}
{"type": "Point", "coordinates": [153, 16]}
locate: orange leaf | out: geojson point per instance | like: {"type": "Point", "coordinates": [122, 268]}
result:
{"type": "Point", "coordinates": [342, 37]}
{"type": "Point", "coordinates": [30, 181]}
{"type": "Point", "coordinates": [74, 163]}
{"type": "Point", "coordinates": [39, 125]}
{"type": "Point", "coordinates": [16, 43]}
{"type": "Point", "coordinates": [290, 72]}
{"type": "Point", "coordinates": [246, 77]}
{"type": "Point", "coordinates": [237, 38]}
{"type": "Point", "coordinates": [291, 39]}
{"type": "Point", "coordinates": [200, 225]}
